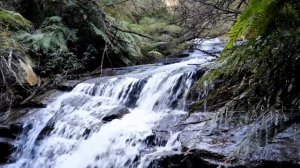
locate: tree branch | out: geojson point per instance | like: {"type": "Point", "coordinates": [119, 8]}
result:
{"type": "Point", "coordinates": [132, 32]}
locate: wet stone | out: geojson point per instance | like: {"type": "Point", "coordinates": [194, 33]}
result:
{"type": "Point", "coordinates": [6, 149]}
{"type": "Point", "coordinates": [10, 131]}
{"type": "Point", "coordinates": [115, 113]}
{"type": "Point", "coordinates": [158, 138]}
{"type": "Point", "coordinates": [97, 158]}
{"type": "Point", "coordinates": [67, 86]}
{"type": "Point", "coordinates": [6, 132]}
{"type": "Point", "coordinates": [76, 101]}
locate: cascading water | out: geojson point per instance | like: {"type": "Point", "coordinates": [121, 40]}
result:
{"type": "Point", "coordinates": [72, 133]}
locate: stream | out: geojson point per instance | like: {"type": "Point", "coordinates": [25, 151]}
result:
{"type": "Point", "coordinates": [113, 121]}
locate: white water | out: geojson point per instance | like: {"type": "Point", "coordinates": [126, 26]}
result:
{"type": "Point", "coordinates": [80, 139]}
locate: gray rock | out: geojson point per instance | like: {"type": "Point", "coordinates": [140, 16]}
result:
{"type": "Point", "coordinates": [76, 101]}
{"type": "Point", "coordinates": [171, 123]}
{"type": "Point", "coordinates": [115, 113]}
{"type": "Point", "coordinates": [67, 86]}
{"type": "Point", "coordinates": [158, 138]}
{"type": "Point", "coordinates": [210, 140]}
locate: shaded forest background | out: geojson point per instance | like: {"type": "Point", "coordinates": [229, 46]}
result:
{"type": "Point", "coordinates": [46, 41]}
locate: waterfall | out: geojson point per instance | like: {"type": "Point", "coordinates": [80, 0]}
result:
{"type": "Point", "coordinates": [72, 131]}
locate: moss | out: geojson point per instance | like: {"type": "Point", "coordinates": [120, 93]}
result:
{"type": "Point", "coordinates": [13, 20]}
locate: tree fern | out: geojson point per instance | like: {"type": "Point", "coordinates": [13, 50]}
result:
{"type": "Point", "coordinates": [51, 42]}
{"type": "Point", "coordinates": [52, 36]}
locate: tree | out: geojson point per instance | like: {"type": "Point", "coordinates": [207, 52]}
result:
{"type": "Point", "coordinates": [204, 18]}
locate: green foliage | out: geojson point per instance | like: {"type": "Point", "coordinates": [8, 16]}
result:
{"type": "Point", "coordinates": [75, 35]}
{"type": "Point", "coordinates": [155, 54]}
{"type": "Point", "coordinates": [77, 31]}
{"type": "Point", "coordinates": [12, 20]}
{"type": "Point", "coordinates": [149, 17]}
{"type": "Point", "coordinates": [52, 36]}
{"type": "Point", "coordinates": [51, 43]}
{"type": "Point", "coordinates": [131, 43]}
{"type": "Point", "coordinates": [262, 72]}
{"type": "Point", "coordinates": [253, 21]}
{"type": "Point", "coordinates": [257, 76]}
{"type": "Point", "coordinates": [261, 17]}
{"type": "Point", "coordinates": [102, 33]}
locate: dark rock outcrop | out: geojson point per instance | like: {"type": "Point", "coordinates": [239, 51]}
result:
{"type": "Point", "coordinates": [8, 133]}
{"type": "Point", "coordinates": [6, 149]}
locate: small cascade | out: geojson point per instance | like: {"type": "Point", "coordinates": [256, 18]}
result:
{"type": "Point", "coordinates": [74, 132]}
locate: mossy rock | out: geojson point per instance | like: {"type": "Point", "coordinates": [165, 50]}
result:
{"type": "Point", "coordinates": [10, 20]}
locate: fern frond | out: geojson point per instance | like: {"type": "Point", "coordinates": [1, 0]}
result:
{"type": "Point", "coordinates": [253, 21]}
{"type": "Point", "coordinates": [52, 36]}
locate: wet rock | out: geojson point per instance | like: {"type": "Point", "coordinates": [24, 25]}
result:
{"type": "Point", "coordinates": [11, 131]}
{"type": "Point", "coordinates": [134, 94]}
{"type": "Point", "coordinates": [46, 130]}
{"type": "Point", "coordinates": [49, 127]}
{"type": "Point", "coordinates": [168, 61]}
{"type": "Point", "coordinates": [184, 54]}
{"type": "Point", "coordinates": [86, 133]}
{"type": "Point", "coordinates": [76, 101]}
{"type": "Point", "coordinates": [210, 140]}
{"type": "Point", "coordinates": [199, 73]}
{"type": "Point", "coordinates": [5, 132]}
{"type": "Point", "coordinates": [16, 128]}
{"type": "Point", "coordinates": [67, 86]}
{"type": "Point", "coordinates": [32, 104]}
{"type": "Point", "coordinates": [171, 123]}
{"type": "Point", "coordinates": [158, 138]}
{"type": "Point", "coordinates": [6, 149]}
{"type": "Point", "coordinates": [282, 149]}
{"type": "Point", "coordinates": [116, 113]}
{"type": "Point", "coordinates": [191, 159]}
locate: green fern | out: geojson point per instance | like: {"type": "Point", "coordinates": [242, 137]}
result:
{"type": "Point", "coordinates": [262, 17]}
{"type": "Point", "coordinates": [52, 36]}
{"type": "Point", "coordinates": [253, 21]}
